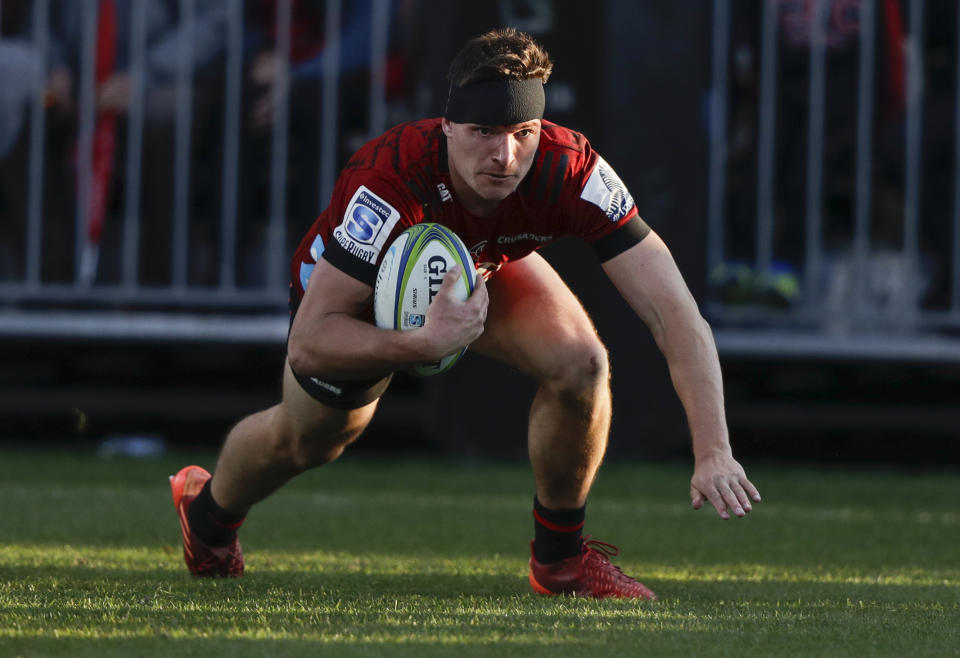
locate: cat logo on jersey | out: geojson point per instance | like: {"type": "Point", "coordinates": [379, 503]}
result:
{"type": "Point", "coordinates": [444, 193]}
{"type": "Point", "coordinates": [366, 225]}
{"type": "Point", "coordinates": [605, 190]}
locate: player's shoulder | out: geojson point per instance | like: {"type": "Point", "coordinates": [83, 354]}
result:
{"type": "Point", "coordinates": [567, 149]}
{"type": "Point", "coordinates": [563, 161]}
{"type": "Point", "coordinates": [555, 136]}
{"type": "Point", "coordinates": [404, 147]}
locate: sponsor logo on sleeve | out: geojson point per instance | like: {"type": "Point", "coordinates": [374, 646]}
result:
{"type": "Point", "coordinates": [605, 190]}
{"type": "Point", "coordinates": [366, 225]}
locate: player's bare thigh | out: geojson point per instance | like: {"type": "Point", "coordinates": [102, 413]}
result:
{"type": "Point", "coordinates": [309, 421]}
{"type": "Point", "coordinates": [535, 322]}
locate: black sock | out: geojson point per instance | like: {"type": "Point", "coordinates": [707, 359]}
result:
{"type": "Point", "coordinates": [214, 525]}
{"type": "Point", "coordinates": [558, 534]}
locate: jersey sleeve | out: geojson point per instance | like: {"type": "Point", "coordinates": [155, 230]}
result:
{"type": "Point", "coordinates": [604, 213]}
{"type": "Point", "coordinates": [370, 210]}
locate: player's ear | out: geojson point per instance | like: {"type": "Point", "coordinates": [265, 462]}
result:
{"type": "Point", "coordinates": [447, 126]}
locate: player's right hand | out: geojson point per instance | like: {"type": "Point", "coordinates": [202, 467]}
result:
{"type": "Point", "coordinates": [451, 323]}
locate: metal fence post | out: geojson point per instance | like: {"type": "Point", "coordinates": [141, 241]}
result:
{"type": "Point", "coordinates": [181, 158]}
{"type": "Point", "coordinates": [276, 229]}
{"type": "Point", "coordinates": [911, 210]}
{"type": "Point", "coordinates": [330, 89]}
{"type": "Point", "coordinates": [861, 235]}
{"type": "Point", "coordinates": [132, 215]}
{"type": "Point", "coordinates": [813, 255]}
{"type": "Point", "coordinates": [766, 165]}
{"type": "Point", "coordinates": [41, 36]}
{"type": "Point", "coordinates": [231, 147]}
{"type": "Point", "coordinates": [84, 253]}
{"type": "Point", "coordinates": [718, 136]}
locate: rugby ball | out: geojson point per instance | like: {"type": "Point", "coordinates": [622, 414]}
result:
{"type": "Point", "coordinates": [411, 273]}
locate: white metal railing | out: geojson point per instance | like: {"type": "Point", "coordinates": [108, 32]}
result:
{"type": "Point", "coordinates": [31, 305]}
{"type": "Point", "coordinates": [865, 300]}
{"type": "Point", "coordinates": [836, 317]}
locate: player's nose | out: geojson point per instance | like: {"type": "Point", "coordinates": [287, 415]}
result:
{"type": "Point", "coordinates": [505, 151]}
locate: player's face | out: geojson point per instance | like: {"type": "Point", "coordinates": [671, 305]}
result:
{"type": "Point", "coordinates": [488, 162]}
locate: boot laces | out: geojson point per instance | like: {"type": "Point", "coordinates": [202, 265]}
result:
{"type": "Point", "coordinates": [597, 554]}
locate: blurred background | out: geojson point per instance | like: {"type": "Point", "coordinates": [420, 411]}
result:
{"type": "Point", "coordinates": [160, 159]}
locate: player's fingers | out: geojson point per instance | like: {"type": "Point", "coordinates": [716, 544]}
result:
{"type": "Point", "coordinates": [741, 495]}
{"type": "Point", "coordinates": [696, 498]}
{"type": "Point", "coordinates": [452, 275]}
{"type": "Point", "coordinates": [751, 490]}
{"type": "Point", "coordinates": [716, 499]}
{"type": "Point", "coordinates": [480, 284]}
{"type": "Point", "coordinates": [480, 292]}
{"type": "Point", "coordinates": [449, 281]}
{"type": "Point", "coordinates": [729, 499]}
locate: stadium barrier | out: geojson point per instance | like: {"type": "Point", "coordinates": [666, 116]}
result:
{"type": "Point", "coordinates": [859, 261]}
{"type": "Point", "coordinates": [105, 293]}
{"type": "Point", "coordinates": [861, 295]}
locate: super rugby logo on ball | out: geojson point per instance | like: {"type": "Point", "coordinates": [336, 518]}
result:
{"type": "Point", "coordinates": [411, 274]}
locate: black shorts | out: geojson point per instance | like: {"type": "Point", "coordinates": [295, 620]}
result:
{"type": "Point", "coordinates": [350, 394]}
{"type": "Point", "coordinates": [347, 394]}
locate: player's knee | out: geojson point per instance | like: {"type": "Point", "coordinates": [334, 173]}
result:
{"type": "Point", "coordinates": [299, 448]}
{"type": "Point", "coordinates": [307, 452]}
{"type": "Point", "coordinates": [580, 369]}
{"type": "Point", "coordinates": [307, 446]}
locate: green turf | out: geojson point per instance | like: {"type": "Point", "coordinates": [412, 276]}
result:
{"type": "Point", "coordinates": [368, 558]}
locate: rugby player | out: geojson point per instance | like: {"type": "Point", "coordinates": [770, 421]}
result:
{"type": "Point", "coordinates": [507, 181]}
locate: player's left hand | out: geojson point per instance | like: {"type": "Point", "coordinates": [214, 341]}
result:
{"type": "Point", "coordinates": [722, 480]}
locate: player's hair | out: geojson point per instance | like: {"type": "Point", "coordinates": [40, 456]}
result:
{"type": "Point", "coordinates": [500, 54]}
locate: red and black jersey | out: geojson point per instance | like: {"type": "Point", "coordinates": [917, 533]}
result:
{"type": "Point", "coordinates": [401, 179]}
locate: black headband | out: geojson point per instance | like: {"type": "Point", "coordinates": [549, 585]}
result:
{"type": "Point", "coordinates": [499, 102]}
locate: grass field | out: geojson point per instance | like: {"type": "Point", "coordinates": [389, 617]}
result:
{"type": "Point", "coordinates": [379, 558]}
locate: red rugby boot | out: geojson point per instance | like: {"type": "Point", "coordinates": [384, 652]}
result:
{"type": "Point", "coordinates": [589, 574]}
{"type": "Point", "coordinates": [201, 559]}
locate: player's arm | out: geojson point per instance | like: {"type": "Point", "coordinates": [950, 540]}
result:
{"type": "Point", "coordinates": [647, 277]}
{"type": "Point", "coordinates": [328, 338]}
